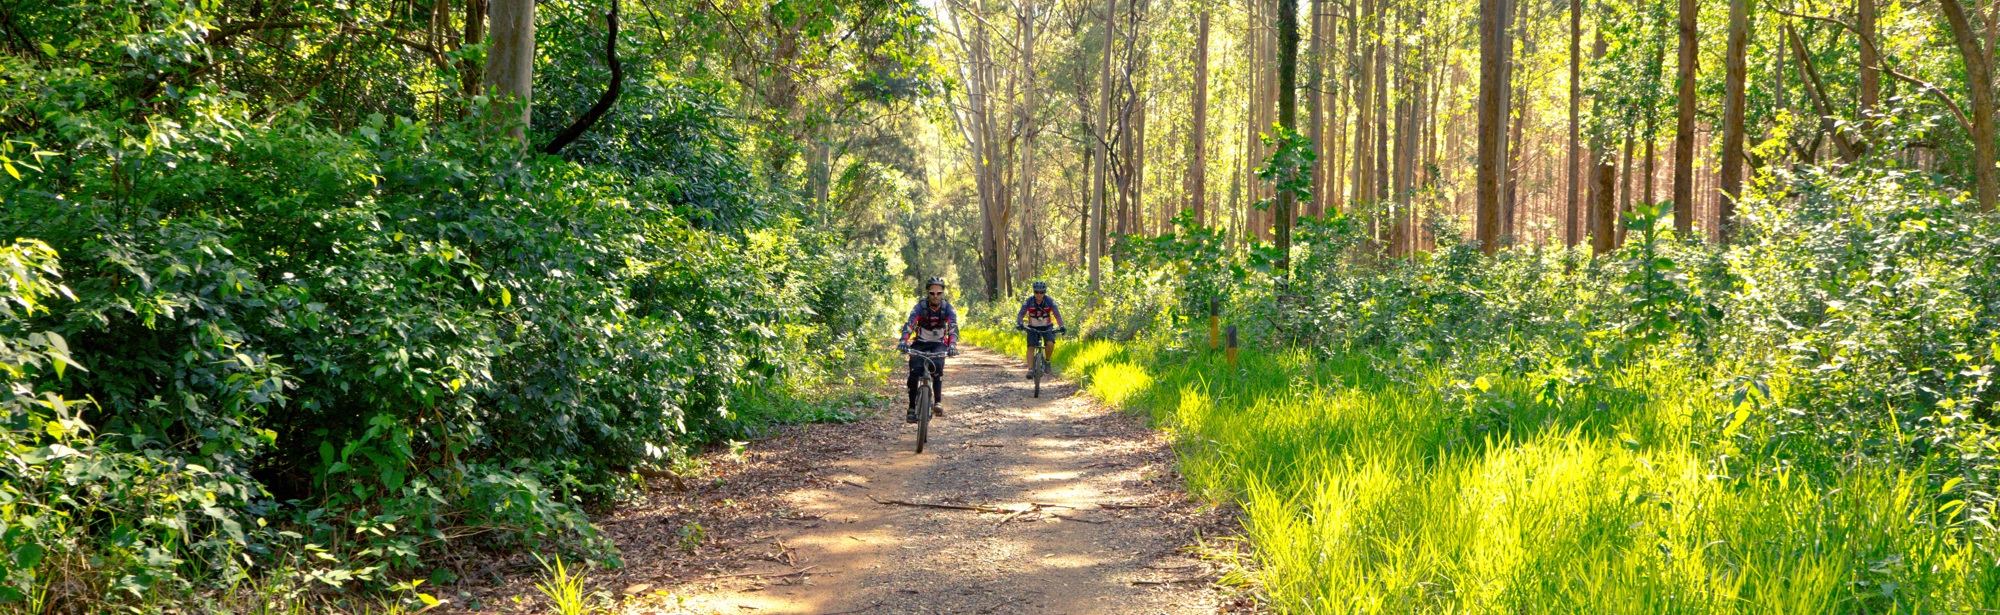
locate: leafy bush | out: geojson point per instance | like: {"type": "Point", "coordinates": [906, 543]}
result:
{"type": "Point", "coordinates": [370, 339]}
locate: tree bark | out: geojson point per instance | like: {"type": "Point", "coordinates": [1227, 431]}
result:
{"type": "Point", "coordinates": [1030, 105]}
{"type": "Point", "coordinates": [1625, 186]}
{"type": "Point", "coordinates": [1288, 118]}
{"type": "Point", "coordinates": [1979, 79]}
{"type": "Point", "coordinates": [1732, 123]}
{"type": "Point", "coordinates": [1684, 90]}
{"type": "Point", "coordinates": [1816, 92]}
{"type": "Point", "coordinates": [1603, 218]}
{"type": "Point", "coordinates": [1198, 133]}
{"type": "Point", "coordinates": [1494, 52]}
{"type": "Point", "coordinates": [510, 67]}
{"type": "Point", "coordinates": [1518, 108]}
{"type": "Point", "coordinates": [1871, 61]}
{"type": "Point", "coordinates": [1316, 107]}
{"type": "Point", "coordinates": [1570, 226]}
{"type": "Point", "coordinates": [1138, 152]}
{"type": "Point", "coordinates": [475, 31]}
{"type": "Point", "coordinates": [1103, 153]}
{"type": "Point", "coordinates": [1364, 107]}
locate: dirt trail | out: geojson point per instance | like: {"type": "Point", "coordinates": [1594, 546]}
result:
{"type": "Point", "coordinates": [1094, 520]}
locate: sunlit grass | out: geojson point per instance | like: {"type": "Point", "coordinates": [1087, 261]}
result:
{"type": "Point", "coordinates": [1425, 493]}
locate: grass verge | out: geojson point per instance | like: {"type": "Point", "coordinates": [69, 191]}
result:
{"type": "Point", "coordinates": [1419, 491]}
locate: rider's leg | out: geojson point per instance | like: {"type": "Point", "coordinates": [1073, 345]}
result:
{"type": "Point", "coordinates": [1049, 350]}
{"type": "Point", "coordinates": [1032, 349]}
{"type": "Point", "coordinates": [916, 372]}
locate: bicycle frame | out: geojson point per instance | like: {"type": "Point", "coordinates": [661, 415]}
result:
{"type": "Point", "coordinates": [925, 394]}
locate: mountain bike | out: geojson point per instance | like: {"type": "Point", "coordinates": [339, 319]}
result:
{"type": "Point", "coordinates": [925, 398]}
{"type": "Point", "coordinates": [1038, 363]}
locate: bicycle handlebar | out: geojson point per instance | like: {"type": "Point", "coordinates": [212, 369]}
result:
{"type": "Point", "coordinates": [927, 355]}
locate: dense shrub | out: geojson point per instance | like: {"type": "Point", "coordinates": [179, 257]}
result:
{"type": "Point", "coordinates": [285, 338]}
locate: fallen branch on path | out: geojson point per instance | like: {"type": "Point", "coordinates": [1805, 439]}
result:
{"type": "Point", "coordinates": [1127, 506]}
{"type": "Point", "coordinates": [1080, 519]}
{"type": "Point", "coordinates": [1171, 581]}
{"type": "Point", "coordinates": [765, 575]}
{"type": "Point", "coordinates": [975, 508]}
{"type": "Point", "coordinates": [1011, 513]}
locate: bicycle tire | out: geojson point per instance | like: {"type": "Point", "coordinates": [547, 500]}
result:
{"type": "Point", "coordinates": [923, 414]}
{"type": "Point", "coordinates": [1040, 369]}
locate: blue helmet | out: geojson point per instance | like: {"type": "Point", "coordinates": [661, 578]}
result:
{"type": "Point", "coordinates": [1041, 287]}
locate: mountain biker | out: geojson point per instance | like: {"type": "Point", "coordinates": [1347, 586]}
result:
{"type": "Point", "coordinates": [935, 326]}
{"type": "Point", "coordinates": [1037, 315]}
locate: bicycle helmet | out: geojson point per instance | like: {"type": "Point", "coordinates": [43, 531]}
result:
{"type": "Point", "coordinates": [935, 281]}
{"type": "Point", "coordinates": [1041, 287]}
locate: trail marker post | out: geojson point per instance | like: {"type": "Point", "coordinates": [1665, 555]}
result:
{"type": "Point", "coordinates": [1232, 346]}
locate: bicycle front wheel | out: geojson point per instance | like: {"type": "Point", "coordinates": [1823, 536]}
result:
{"type": "Point", "coordinates": [923, 416]}
{"type": "Point", "coordinates": [1040, 369]}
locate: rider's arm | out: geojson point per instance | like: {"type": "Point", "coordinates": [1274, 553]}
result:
{"type": "Point", "coordinates": [950, 325]}
{"type": "Point", "coordinates": [1022, 313]}
{"type": "Point", "coordinates": [910, 324]}
{"type": "Point", "coordinates": [1056, 311]}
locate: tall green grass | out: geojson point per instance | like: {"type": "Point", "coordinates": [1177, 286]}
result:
{"type": "Point", "coordinates": [1417, 491]}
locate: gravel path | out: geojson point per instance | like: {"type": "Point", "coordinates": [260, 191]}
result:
{"type": "Point", "coordinates": [1083, 514]}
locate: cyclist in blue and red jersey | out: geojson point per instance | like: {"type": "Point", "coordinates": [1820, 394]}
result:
{"type": "Point", "coordinates": [1040, 317]}
{"type": "Point", "coordinates": [935, 326]}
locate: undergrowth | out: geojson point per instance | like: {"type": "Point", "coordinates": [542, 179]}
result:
{"type": "Point", "coordinates": [1800, 422]}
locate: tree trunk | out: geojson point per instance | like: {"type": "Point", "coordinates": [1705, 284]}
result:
{"type": "Point", "coordinates": [1198, 133]}
{"type": "Point", "coordinates": [1519, 109]}
{"type": "Point", "coordinates": [1684, 90]}
{"type": "Point", "coordinates": [475, 31]}
{"type": "Point", "coordinates": [1979, 78]}
{"type": "Point", "coordinates": [1316, 107]}
{"type": "Point", "coordinates": [1604, 220]}
{"type": "Point", "coordinates": [1732, 123]}
{"type": "Point", "coordinates": [1288, 118]}
{"type": "Point", "coordinates": [1364, 107]}
{"type": "Point", "coordinates": [1570, 227]}
{"type": "Point", "coordinates": [1342, 154]}
{"type": "Point", "coordinates": [1097, 195]}
{"type": "Point", "coordinates": [1030, 105]}
{"type": "Point", "coordinates": [1138, 152]}
{"type": "Point", "coordinates": [1625, 187]}
{"type": "Point", "coordinates": [1816, 91]}
{"type": "Point", "coordinates": [1871, 63]}
{"type": "Point", "coordinates": [510, 67]}
{"type": "Point", "coordinates": [1494, 52]}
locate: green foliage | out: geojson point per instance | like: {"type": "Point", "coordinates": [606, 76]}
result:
{"type": "Point", "coordinates": [1290, 166]}
{"type": "Point", "coordinates": [1660, 295]}
{"type": "Point", "coordinates": [1803, 421]}
{"type": "Point", "coordinates": [329, 333]}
